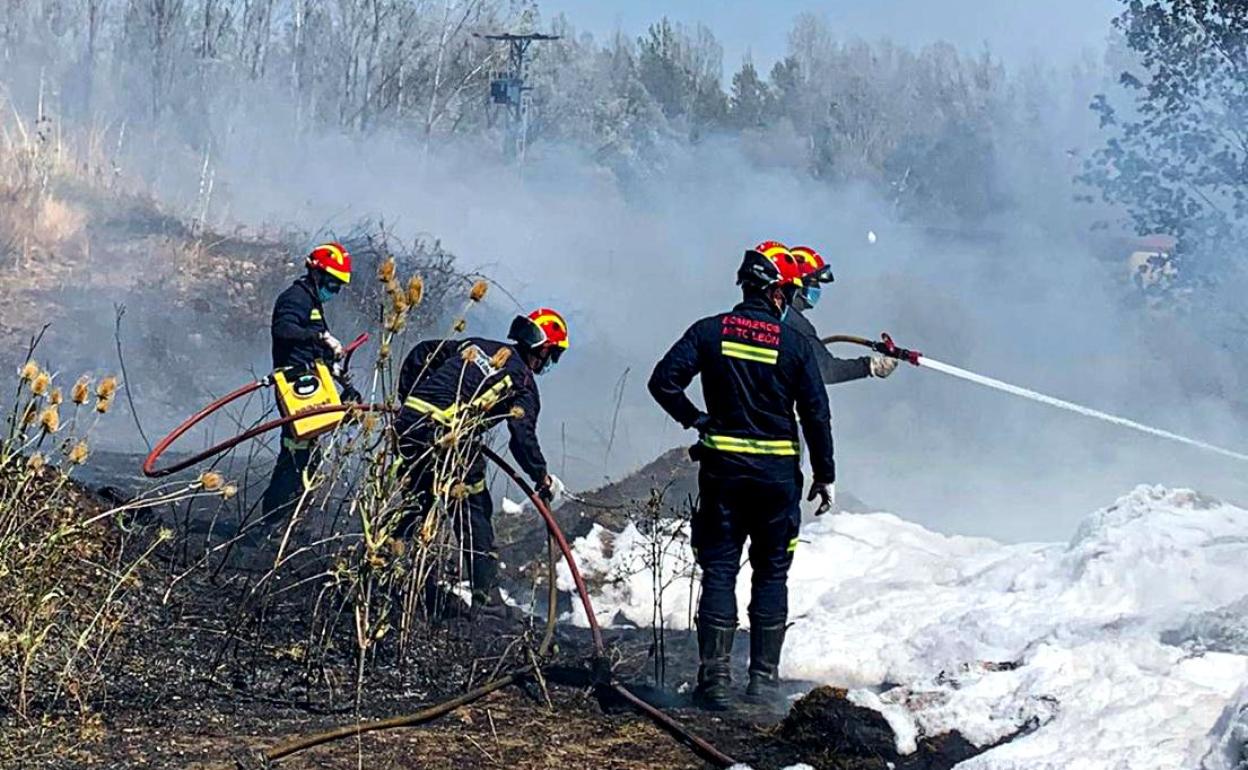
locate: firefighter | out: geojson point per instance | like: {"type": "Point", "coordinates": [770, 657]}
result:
{"type": "Point", "coordinates": [756, 372]}
{"type": "Point", "coordinates": [815, 272]}
{"type": "Point", "coordinates": [301, 337]}
{"type": "Point", "coordinates": [464, 388]}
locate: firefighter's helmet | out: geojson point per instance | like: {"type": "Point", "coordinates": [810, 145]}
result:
{"type": "Point", "coordinates": [542, 330]}
{"type": "Point", "coordinates": [333, 259]}
{"type": "Point", "coordinates": [815, 272]}
{"type": "Point", "coordinates": [769, 264]}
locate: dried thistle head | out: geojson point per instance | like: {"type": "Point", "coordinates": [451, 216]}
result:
{"type": "Point", "coordinates": [500, 359]}
{"type": "Point", "coordinates": [106, 389]}
{"type": "Point", "coordinates": [78, 455]}
{"type": "Point", "coordinates": [81, 390]}
{"type": "Point", "coordinates": [164, 533]}
{"type": "Point", "coordinates": [517, 413]}
{"type": "Point", "coordinates": [459, 491]}
{"type": "Point", "coordinates": [28, 417]}
{"type": "Point", "coordinates": [400, 303]}
{"type": "Point", "coordinates": [460, 325]}
{"type": "Point", "coordinates": [395, 323]}
{"type": "Point", "coordinates": [56, 397]}
{"type": "Point", "coordinates": [385, 271]}
{"type": "Point", "coordinates": [211, 481]}
{"type": "Point", "coordinates": [415, 290]}
{"type": "Point", "coordinates": [228, 491]}
{"type": "Point", "coordinates": [468, 353]}
{"type": "Point", "coordinates": [478, 291]}
{"type": "Point", "coordinates": [50, 419]}
{"type": "Point", "coordinates": [370, 421]}
{"type": "Point", "coordinates": [40, 384]}
{"type": "Point", "coordinates": [103, 405]}
{"type": "Point", "coordinates": [36, 462]}
{"type": "Point", "coordinates": [29, 371]}
{"type": "Point", "coordinates": [384, 352]}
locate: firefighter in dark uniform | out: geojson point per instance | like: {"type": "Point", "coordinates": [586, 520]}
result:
{"type": "Point", "coordinates": [756, 372]}
{"type": "Point", "coordinates": [815, 272]}
{"type": "Point", "coordinates": [301, 337]}
{"type": "Point", "coordinates": [467, 387]}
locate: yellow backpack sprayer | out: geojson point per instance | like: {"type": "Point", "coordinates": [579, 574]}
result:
{"type": "Point", "coordinates": [299, 392]}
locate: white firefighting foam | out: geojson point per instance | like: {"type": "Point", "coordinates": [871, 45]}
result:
{"type": "Point", "coordinates": [1098, 642]}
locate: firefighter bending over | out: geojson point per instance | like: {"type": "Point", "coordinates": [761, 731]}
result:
{"type": "Point", "coordinates": [466, 387]}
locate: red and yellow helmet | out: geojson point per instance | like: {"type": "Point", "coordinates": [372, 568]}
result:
{"type": "Point", "coordinates": [770, 263]}
{"type": "Point", "coordinates": [331, 258]}
{"type": "Point", "coordinates": [813, 267]}
{"type": "Point", "coordinates": [543, 329]}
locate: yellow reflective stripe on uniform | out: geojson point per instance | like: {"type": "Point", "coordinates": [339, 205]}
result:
{"type": "Point", "coordinates": [792, 545]}
{"type": "Point", "coordinates": [316, 315]}
{"type": "Point", "coordinates": [491, 397]}
{"type": "Point", "coordinates": [749, 352]}
{"type": "Point", "coordinates": [783, 448]}
{"type": "Point", "coordinates": [439, 414]}
{"type": "Point", "coordinates": [484, 402]}
{"type": "Point", "coordinates": [476, 489]}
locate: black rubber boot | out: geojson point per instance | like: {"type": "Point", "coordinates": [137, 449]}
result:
{"type": "Point", "coordinates": [715, 673]}
{"type": "Point", "coordinates": [765, 645]}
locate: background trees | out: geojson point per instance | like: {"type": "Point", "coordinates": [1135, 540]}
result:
{"type": "Point", "coordinates": [1176, 159]}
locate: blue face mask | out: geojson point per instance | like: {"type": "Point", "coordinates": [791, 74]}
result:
{"type": "Point", "coordinates": [813, 293]}
{"type": "Point", "coordinates": [325, 294]}
{"type": "Point", "coordinates": [784, 313]}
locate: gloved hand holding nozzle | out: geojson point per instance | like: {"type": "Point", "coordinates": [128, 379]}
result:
{"type": "Point", "coordinates": [882, 366]}
{"type": "Point", "coordinates": [551, 489]}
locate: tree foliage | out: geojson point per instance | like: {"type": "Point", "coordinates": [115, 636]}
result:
{"type": "Point", "coordinates": [1177, 156]}
{"type": "Point", "coordinates": [927, 129]}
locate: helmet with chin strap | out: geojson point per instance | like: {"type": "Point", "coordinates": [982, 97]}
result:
{"type": "Point", "coordinates": [543, 332]}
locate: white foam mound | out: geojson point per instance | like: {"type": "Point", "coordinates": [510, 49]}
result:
{"type": "Point", "coordinates": [986, 638]}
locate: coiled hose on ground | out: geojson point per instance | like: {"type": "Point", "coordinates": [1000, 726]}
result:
{"type": "Point", "coordinates": [598, 665]}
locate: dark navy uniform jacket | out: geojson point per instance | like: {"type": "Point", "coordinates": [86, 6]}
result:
{"type": "Point", "coordinates": [758, 375]}
{"type": "Point", "coordinates": [298, 322]}
{"type": "Point", "coordinates": [442, 379]}
{"type": "Point", "coordinates": [834, 370]}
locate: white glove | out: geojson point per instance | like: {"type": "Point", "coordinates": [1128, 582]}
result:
{"type": "Point", "coordinates": [882, 366]}
{"type": "Point", "coordinates": [332, 343]}
{"type": "Point", "coordinates": [557, 488]}
{"type": "Point", "coordinates": [827, 497]}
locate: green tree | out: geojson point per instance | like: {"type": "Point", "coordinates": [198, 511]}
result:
{"type": "Point", "coordinates": [1177, 156]}
{"type": "Point", "coordinates": [748, 104]}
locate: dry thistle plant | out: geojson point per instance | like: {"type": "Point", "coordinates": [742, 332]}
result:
{"type": "Point", "coordinates": [57, 616]}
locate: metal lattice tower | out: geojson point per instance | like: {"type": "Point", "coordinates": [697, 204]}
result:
{"type": "Point", "coordinates": [509, 90]}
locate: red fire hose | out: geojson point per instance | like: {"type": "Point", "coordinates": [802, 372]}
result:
{"type": "Point", "coordinates": [149, 464]}
{"type": "Point", "coordinates": [699, 745]}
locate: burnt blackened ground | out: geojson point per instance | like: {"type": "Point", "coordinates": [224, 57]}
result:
{"type": "Point", "coordinates": [231, 661]}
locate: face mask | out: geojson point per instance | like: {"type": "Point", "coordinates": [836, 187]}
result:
{"type": "Point", "coordinates": [325, 294]}
{"type": "Point", "coordinates": [784, 313]}
{"type": "Point", "coordinates": [812, 294]}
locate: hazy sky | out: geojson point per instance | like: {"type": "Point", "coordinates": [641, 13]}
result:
{"type": "Point", "coordinates": [1015, 30]}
